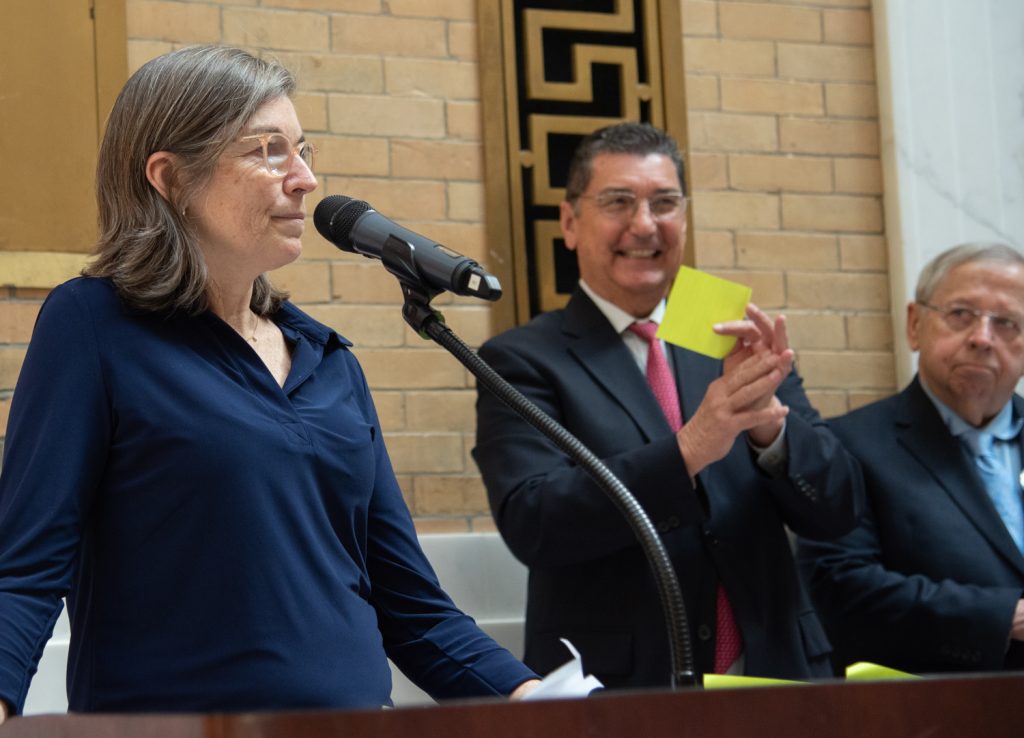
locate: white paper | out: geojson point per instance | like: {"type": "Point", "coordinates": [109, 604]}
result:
{"type": "Point", "coordinates": [566, 681]}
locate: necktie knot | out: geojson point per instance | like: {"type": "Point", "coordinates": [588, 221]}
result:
{"type": "Point", "coordinates": [647, 331]}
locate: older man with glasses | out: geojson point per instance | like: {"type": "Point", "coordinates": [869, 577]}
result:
{"type": "Point", "coordinates": [932, 580]}
{"type": "Point", "coordinates": [721, 455]}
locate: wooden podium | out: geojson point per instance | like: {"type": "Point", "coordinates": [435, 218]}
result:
{"type": "Point", "coordinates": [982, 705]}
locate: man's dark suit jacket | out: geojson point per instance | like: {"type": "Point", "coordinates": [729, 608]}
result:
{"type": "Point", "coordinates": [929, 579]}
{"type": "Point", "coordinates": [589, 580]}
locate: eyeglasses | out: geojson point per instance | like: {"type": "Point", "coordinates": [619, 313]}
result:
{"type": "Point", "coordinates": [961, 318]}
{"type": "Point", "coordinates": [623, 204]}
{"type": "Point", "coordinates": [278, 152]}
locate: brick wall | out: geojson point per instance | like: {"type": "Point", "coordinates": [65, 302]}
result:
{"type": "Point", "coordinates": [787, 191]}
{"type": "Point", "coordinates": [784, 140]}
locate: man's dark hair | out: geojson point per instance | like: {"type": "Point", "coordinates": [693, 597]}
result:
{"type": "Point", "coordinates": [639, 139]}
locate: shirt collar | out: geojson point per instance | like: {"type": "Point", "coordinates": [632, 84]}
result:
{"type": "Point", "coordinates": [619, 318]}
{"type": "Point", "coordinates": [293, 318]}
{"type": "Point", "coordinates": [1004, 426]}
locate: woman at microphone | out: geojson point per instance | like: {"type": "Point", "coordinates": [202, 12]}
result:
{"type": "Point", "coordinates": [194, 462]}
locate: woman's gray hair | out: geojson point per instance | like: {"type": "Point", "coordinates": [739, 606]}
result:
{"type": "Point", "coordinates": [936, 270]}
{"type": "Point", "coordinates": [193, 103]}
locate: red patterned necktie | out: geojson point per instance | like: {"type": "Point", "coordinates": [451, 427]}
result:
{"type": "Point", "coordinates": [728, 641]}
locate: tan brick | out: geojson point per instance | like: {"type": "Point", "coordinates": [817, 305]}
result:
{"type": "Point", "coordinates": [364, 325]}
{"type": "Point", "coordinates": [768, 288]}
{"type": "Point", "coordinates": [708, 172]}
{"type": "Point", "coordinates": [11, 359]}
{"type": "Point", "coordinates": [822, 291]}
{"type": "Point", "coordinates": [436, 526]}
{"type": "Point", "coordinates": [140, 52]}
{"type": "Point", "coordinates": [770, 22]}
{"type": "Point", "coordinates": [482, 524]}
{"type": "Point", "coordinates": [832, 213]}
{"type": "Point", "coordinates": [829, 404]}
{"type": "Point", "coordinates": [778, 173]}
{"type": "Point", "coordinates": [815, 330]}
{"type": "Point", "coordinates": [463, 120]}
{"type": "Point", "coordinates": [339, 6]}
{"type": "Point", "coordinates": [811, 136]}
{"type": "Point", "coordinates": [772, 96]}
{"type": "Point", "coordinates": [32, 293]}
{"type": "Point", "coordinates": [307, 281]}
{"type": "Point", "coordinates": [847, 369]}
{"type": "Point", "coordinates": [311, 107]}
{"type": "Point", "coordinates": [405, 484]}
{"type": "Point", "coordinates": [700, 18]}
{"type": "Point", "coordinates": [17, 320]}
{"type": "Point", "coordinates": [826, 62]}
{"type": "Point", "coordinates": [786, 251]}
{"type": "Point", "coordinates": [353, 155]}
{"type": "Point", "coordinates": [454, 80]}
{"type": "Point", "coordinates": [399, 199]}
{"type": "Point", "coordinates": [732, 132]}
{"type": "Point", "coordinates": [463, 41]}
{"type": "Point", "coordinates": [172, 21]}
{"type": "Point", "coordinates": [315, 246]}
{"type": "Point", "coordinates": [450, 495]}
{"type": "Point", "coordinates": [702, 92]}
{"type": "Point", "coordinates": [436, 159]}
{"type": "Point", "coordinates": [442, 411]}
{"type": "Point", "coordinates": [5, 416]}
{"type": "Point", "coordinates": [390, 410]}
{"type": "Point", "coordinates": [449, 9]}
{"type": "Point", "coordinates": [735, 210]}
{"type": "Point", "coordinates": [411, 368]}
{"type": "Point", "coordinates": [860, 399]}
{"type": "Point", "coordinates": [872, 332]}
{"type": "Point", "coordinates": [365, 283]}
{"type": "Point", "coordinates": [729, 57]}
{"type": "Point", "coordinates": [851, 100]}
{"type": "Point", "coordinates": [466, 201]}
{"type": "Point", "coordinates": [714, 249]}
{"type": "Point", "coordinates": [388, 36]}
{"type": "Point", "coordinates": [859, 176]}
{"type": "Point", "coordinates": [863, 253]}
{"type": "Point", "coordinates": [848, 27]}
{"type": "Point", "coordinates": [276, 29]}
{"type": "Point", "coordinates": [335, 73]}
{"type": "Point", "coordinates": [374, 115]}
{"type": "Point", "coordinates": [430, 453]}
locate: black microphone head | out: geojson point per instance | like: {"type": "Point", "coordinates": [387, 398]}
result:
{"type": "Point", "coordinates": [336, 216]}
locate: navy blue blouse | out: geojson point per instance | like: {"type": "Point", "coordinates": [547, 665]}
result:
{"type": "Point", "coordinates": [225, 543]}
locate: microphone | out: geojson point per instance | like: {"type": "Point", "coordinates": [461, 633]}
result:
{"type": "Point", "coordinates": [352, 225]}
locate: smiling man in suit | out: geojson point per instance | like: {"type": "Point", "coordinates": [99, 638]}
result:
{"type": "Point", "coordinates": [932, 578]}
{"type": "Point", "coordinates": [722, 455]}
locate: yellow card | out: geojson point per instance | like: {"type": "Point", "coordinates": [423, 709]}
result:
{"type": "Point", "coordinates": [865, 670]}
{"type": "Point", "coordinates": [698, 301]}
{"type": "Point", "coordinates": [729, 681]}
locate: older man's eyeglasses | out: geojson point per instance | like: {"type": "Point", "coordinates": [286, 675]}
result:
{"type": "Point", "coordinates": [623, 204]}
{"type": "Point", "coordinates": [278, 152]}
{"type": "Point", "coordinates": [961, 318]}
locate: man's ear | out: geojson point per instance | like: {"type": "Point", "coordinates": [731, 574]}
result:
{"type": "Point", "coordinates": [567, 219]}
{"type": "Point", "coordinates": [913, 325]}
{"type": "Point", "coordinates": [160, 172]}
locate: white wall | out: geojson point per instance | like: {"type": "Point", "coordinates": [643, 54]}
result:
{"type": "Point", "coordinates": [951, 92]}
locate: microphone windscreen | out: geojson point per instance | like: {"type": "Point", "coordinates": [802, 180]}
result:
{"type": "Point", "coordinates": [336, 216]}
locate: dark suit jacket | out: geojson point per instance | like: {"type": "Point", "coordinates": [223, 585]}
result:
{"type": "Point", "coordinates": [929, 580]}
{"type": "Point", "coordinates": [589, 581]}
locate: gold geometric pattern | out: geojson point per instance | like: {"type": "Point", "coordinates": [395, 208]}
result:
{"type": "Point", "coordinates": [564, 72]}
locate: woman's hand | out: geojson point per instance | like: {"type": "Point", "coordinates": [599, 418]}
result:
{"type": "Point", "coordinates": [524, 689]}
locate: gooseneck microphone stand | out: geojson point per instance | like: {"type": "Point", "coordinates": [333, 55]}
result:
{"type": "Point", "coordinates": [430, 324]}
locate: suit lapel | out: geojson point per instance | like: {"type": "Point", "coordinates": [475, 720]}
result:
{"type": "Point", "coordinates": [920, 429]}
{"type": "Point", "coordinates": [593, 342]}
